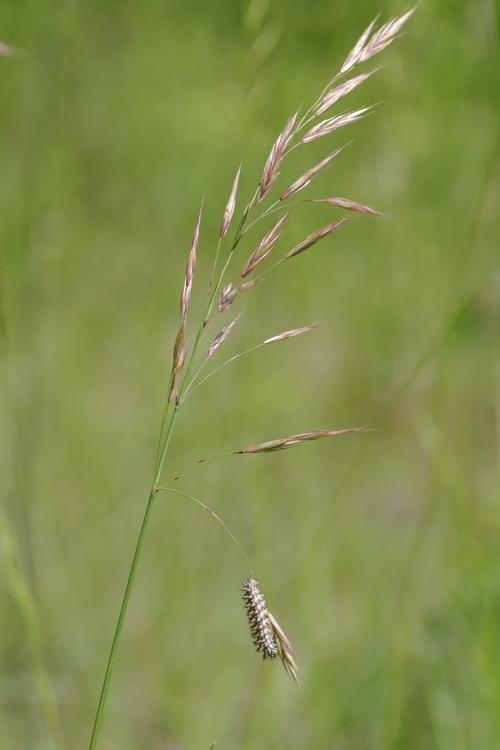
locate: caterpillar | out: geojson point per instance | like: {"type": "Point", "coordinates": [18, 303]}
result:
{"type": "Point", "coordinates": [259, 619]}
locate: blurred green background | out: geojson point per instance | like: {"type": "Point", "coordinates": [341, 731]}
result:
{"type": "Point", "coordinates": [379, 553]}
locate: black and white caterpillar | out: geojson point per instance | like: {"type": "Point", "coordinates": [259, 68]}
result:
{"type": "Point", "coordinates": [259, 620]}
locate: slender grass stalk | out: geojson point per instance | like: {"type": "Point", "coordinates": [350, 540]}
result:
{"type": "Point", "coordinates": [129, 586]}
{"type": "Point", "coordinates": [182, 383]}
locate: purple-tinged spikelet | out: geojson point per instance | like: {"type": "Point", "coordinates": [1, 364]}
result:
{"type": "Point", "coordinates": [259, 620]}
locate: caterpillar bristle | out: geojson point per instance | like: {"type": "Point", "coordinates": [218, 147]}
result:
{"type": "Point", "coordinates": [259, 620]}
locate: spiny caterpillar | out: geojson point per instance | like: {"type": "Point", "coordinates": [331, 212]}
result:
{"type": "Point", "coordinates": [259, 619]}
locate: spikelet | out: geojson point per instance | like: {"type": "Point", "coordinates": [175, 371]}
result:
{"type": "Point", "coordinates": [354, 55]}
{"type": "Point", "coordinates": [231, 203]}
{"type": "Point", "coordinates": [222, 336]}
{"type": "Point", "coordinates": [311, 173]}
{"type": "Point", "coordinates": [179, 354]}
{"type": "Point", "coordinates": [281, 444]}
{"type": "Point", "coordinates": [350, 205]}
{"type": "Point", "coordinates": [275, 158]}
{"type": "Point", "coordinates": [365, 47]}
{"type": "Point", "coordinates": [334, 123]}
{"type": "Point", "coordinates": [227, 297]}
{"type": "Point", "coordinates": [315, 236]}
{"type": "Point", "coordinates": [344, 88]}
{"type": "Point", "coordinates": [265, 246]}
{"type": "Point", "coordinates": [259, 620]}
{"type": "Point", "coordinates": [290, 334]}
{"type": "Point", "coordinates": [285, 650]}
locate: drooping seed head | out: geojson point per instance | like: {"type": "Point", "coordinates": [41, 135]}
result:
{"type": "Point", "coordinates": [259, 620]}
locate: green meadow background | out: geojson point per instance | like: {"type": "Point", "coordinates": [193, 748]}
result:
{"type": "Point", "coordinates": [378, 552]}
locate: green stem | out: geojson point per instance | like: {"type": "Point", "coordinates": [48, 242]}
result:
{"type": "Point", "coordinates": [128, 588]}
